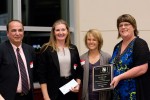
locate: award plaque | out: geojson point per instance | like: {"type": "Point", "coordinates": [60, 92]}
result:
{"type": "Point", "coordinates": [102, 77]}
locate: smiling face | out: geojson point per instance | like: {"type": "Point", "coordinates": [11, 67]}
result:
{"type": "Point", "coordinates": [15, 33]}
{"type": "Point", "coordinates": [126, 22]}
{"type": "Point", "coordinates": [92, 42]}
{"type": "Point", "coordinates": [60, 32]}
{"type": "Point", "coordinates": [126, 30]}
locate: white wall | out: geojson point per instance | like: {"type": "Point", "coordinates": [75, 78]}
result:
{"type": "Point", "coordinates": [102, 14]}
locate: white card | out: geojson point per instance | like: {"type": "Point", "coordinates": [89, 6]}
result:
{"type": "Point", "coordinates": [66, 88]}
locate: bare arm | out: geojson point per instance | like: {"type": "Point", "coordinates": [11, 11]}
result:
{"type": "Point", "coordinates": [45, 92]}
{"type": "Point", "coordinates": [132, 73]}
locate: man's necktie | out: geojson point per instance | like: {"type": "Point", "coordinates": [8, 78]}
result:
{"type": "Point", "coordinates": [25, 86]}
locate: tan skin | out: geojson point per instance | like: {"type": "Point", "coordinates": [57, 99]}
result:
{"type": "Point", "coordinates": [15, 33]}
{"type": "Point", "coordinates": [126, 31]}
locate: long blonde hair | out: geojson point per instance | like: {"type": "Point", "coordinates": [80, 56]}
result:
{"type": "Point", "coordinates": [52, 40]}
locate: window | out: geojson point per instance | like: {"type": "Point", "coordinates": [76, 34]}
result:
{"type": "Point", "coordinates": [37, 17]}
{"type": "Point", "coordinates": [40, 12]}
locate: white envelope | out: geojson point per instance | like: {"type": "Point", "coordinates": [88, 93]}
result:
{"type": "Point", "coordinates": [66, 88]}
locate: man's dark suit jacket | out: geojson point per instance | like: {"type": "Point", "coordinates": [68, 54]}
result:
{"type": "Point", "coordinates": [9, 74]}
{"type": "Point", "coordinates": [49, 69]}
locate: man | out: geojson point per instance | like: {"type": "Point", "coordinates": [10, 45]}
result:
{"type": "Point", "coordinates": [13, 79]}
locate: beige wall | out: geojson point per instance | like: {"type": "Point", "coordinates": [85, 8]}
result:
{"type": "Point", "coordinates": [102, 14]}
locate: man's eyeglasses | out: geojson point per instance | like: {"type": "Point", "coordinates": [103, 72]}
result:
{"type": "Point", "coordinates": [125, 25]}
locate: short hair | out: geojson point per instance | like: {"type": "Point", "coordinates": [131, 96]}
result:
{"type": "Point", "coordinates": [7, 26]}
{"type": "Point", "coordinates": [130, 19]}
{"type": "Point", "coordinates": [96, 34]}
